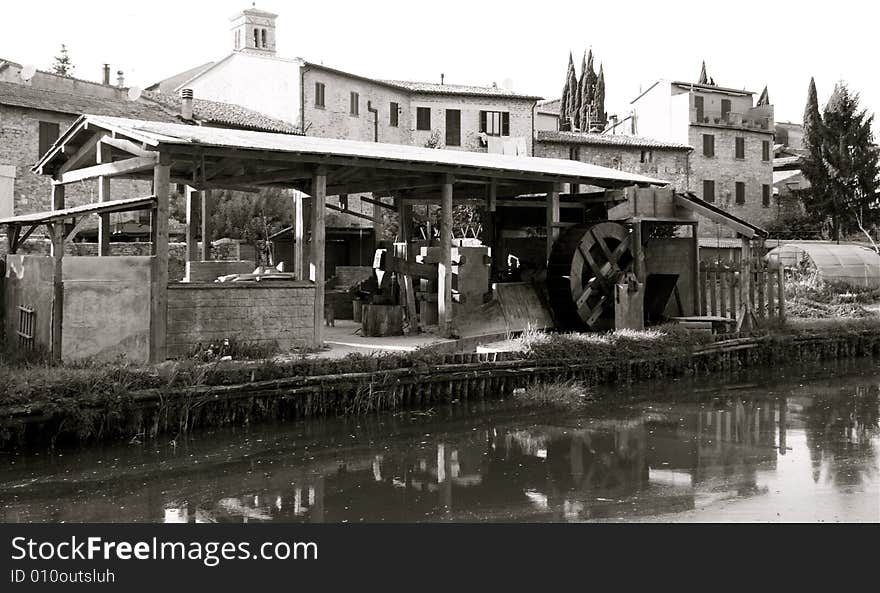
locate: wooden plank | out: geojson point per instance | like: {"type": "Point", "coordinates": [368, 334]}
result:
{"type": "Point", "coordinates": [760, 281]}
{"type": "Point", "coordinates": [552, 212]}
{"type": "Point", "coordinates": [638, 252]}
{"type": "Point", "coordinates": [159, 276]}
{"type": "Point", "coordinates": [347, 211]}
{"type": "Point", "coordinates": [745, 315]}
{"type": "Point", "coordinates": [780, 284]}
{"type": "Point", "coordinates": [81, 154]}
{"type": "Point", "coordinates": [704, 288]}
{"type": "Point", "coordinates": [192, 205]}
{"type": "Point", "coordinates": [115, 169]}
{"type": "Point", "coordinates": [298, 235]}
{"type": "Point", "coordinates": [128, 146]}
{"type": "Point", "coordinates": [378, 203]}
{"type": "Point", "coordinates": [714, 216]}
{"type": "Point", "coordinates": [771, 297]}
{"type": "Point", "coordinates": [79, 226]}
{"type": "Point", "coordinates": [723, 288]}
{"type": "Point", "coordinates": [57, 232]}
{"type": "Point", "coordinates": [733, 293]}
{"type": "Point", "coordinates": [319, 212]}
{"type": "Point", "coordinates": [103, 156]}
{"type": "Point", "coordinates": [444, 273]}
{"type": "Point", "coordinates": [695, 268]}
{"type": "Point", "coordinates": [713, 289]}
{"type": "Point", "coordinates": [404, 253]}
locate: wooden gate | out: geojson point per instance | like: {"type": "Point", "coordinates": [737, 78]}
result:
{"type": "Point", "coordinates": [721, 291]}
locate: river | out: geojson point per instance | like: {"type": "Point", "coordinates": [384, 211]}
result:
{"type": "Point", "coordinates": [774, 446]}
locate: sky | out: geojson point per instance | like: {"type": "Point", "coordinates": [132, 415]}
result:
{"type": "Point", "coordinates": [745, 44]}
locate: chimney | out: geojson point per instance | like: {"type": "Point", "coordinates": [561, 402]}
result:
{"type": "Point", "coordinates": [186, 104]}
{"type": "Point", "coordinates": [107, 74]}
{"type": "Point", "coordinates": [442, 76]}
{"type": "Point", "coordinates": [120, 79]}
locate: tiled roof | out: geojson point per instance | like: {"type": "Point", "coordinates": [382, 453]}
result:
{"type": "Point", "coordinates": [608, 140]}
{"type": "Point", "coordinates": [20, 95]}
{"type": "Point", "coordinates": [225, 114]}
{"type": "Point", "coordinates": [457, 89]}
{"type": "Point", "coordinates": [551, 106]}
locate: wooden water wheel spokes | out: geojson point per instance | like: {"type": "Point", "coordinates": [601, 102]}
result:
{"type": "Point", "coordinates": [592, 259]}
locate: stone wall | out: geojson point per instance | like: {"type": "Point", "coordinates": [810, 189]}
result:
{"type": "Point", "coordinates": [279, 314]}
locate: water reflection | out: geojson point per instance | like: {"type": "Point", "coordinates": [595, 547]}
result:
{"type": "Point", "coordinates": [647, 460]}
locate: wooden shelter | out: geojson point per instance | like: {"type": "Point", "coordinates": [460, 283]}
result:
{"type": "Point", "coordinates": [207, 159]}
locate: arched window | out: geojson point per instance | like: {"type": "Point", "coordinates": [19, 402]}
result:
{"type": "Point", "coordinates": [264, 37]}
{"type": "Point", "coordinates": [256, 38]}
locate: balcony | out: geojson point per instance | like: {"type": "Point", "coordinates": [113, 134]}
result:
{"type": "Point", "coordinates": [756, 118]}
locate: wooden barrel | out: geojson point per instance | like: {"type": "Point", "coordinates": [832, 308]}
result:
{"type": "Point", "coordinates": [382, 320]}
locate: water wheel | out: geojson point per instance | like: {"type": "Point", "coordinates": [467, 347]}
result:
{"type": "Point", "coordinates": [585, 264]}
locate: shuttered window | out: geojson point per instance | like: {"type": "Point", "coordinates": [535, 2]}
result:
{"type": "Point", "coordinates": [394, 113]}
{"type": "Point", "coordinates": [765, 150]}
{"type": "Point", "coordinates": [453, 127]}
{"type": "Point", "coordinates": [708, 145]}
{"type": "Point", "coordinates": [319, 94]}
{"type": "Point", "coordinates": [423, 118]}
{"type": "Point", "coordinates": [740, 148]}
{"type": "Point", "coordinates": [48, 135]}
{"type": "Point", "coordinates": [355, 103]}
{"type": "Point", "coordinates": [698, 104]}
{"type": "Point", "coordinates": [740, 192]}
{"type": "Point", "coordinates": [765, 195]}
{"type": "Point", "coordinates": [725, 108]}
{"type": "Point", "coordinates": [708, 190]}
{"type": "Point", "coordinates": [495, 123]}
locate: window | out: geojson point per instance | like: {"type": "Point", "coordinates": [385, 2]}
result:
{"type": "Point", "coordinates": [423, 118]}
{"type": "Point", "coordinates": [319, 94]}
{"type": "Point", "coordinates": [574, 153]}
{"type": "Point", "coordinates": [263, 33]}
{"type": "Point", "coordinates": [708, 190]}
{"type": "Point", "coordinates": [765, 195]}
{"type": "Point", "coordinates": [698, 104]}
{"type": "Point", "coordinates": [48, 135]}
{"type": "Point", "coordinates": [765, 150]}
{"type": "Point", "coordinates": [495, 123]}
{"type": "Point", "coordinates": [453, 127]}
{"type": "Point", "coordinates": [725, 108]}
{"type": "Point", "coordinates": [256, 38]}
{"type": "Point", "coordinates": [394, 113]}
{"type": "Point", "coordinates": [237, 39]}
{"type": "Point", "coordinates": [708, 145]}
{"type": "Point", "coordinates": [354, 104]}
{"type": "Point", "coordinates": [740, 192]}
{"type": "Point", "coordinates": [740, 148]}
{"type": "Point", "coordinates": [647, 156]}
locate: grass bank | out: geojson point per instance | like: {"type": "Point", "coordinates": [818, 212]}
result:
{"type": "Point", "coordinates": [96, 401]}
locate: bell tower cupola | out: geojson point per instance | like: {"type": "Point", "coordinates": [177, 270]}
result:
{"type": "Point", "coordinates": [253, 30]}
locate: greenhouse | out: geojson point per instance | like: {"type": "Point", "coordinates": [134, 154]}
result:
{"type": "Point", "coordinates": [852, 265]}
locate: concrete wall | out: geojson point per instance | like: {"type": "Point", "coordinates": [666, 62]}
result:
{"type": "Point", "coordinates": [274, 313]}
{"type": "Point", "coordinates": [28, 283]}
{"type": "Point", "coordinates": [106, 308]}
{"type": "Point", "coordinates": [19, 150]}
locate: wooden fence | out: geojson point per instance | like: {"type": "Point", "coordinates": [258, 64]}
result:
{"type": "Point", "coordinates": [721, 291]}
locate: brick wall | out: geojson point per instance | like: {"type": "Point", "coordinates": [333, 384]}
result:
{"type": "Point", "coordinates": [725, 170]}
{"type": "Point", "coordinates": [277, 313]}
{"type": "Point", "coordinates": [19, 147]}
{"type": "Point", "coordinates": [667, 164]}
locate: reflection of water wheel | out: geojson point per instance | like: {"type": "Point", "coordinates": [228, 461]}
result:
{"type": "Point", "coordinates": [584, 265]}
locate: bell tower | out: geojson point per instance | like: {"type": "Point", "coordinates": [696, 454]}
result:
{"type": "Point", "coordinates": [253, 30]}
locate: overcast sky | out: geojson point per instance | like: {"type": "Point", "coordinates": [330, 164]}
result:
{"type": "Point", "coordinates": [745, 44]}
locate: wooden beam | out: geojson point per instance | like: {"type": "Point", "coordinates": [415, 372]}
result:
{"type": "Point", "coordinates": [80, 224]}
{"type": "Point", "coordinates": [444, 272]}
{"type": "Point", "coordinates": [128, 146]}
{"type": "Point", "coordinates": [298, 235]}
{"type": "Point", "coordinates": [379, 203]}
{"type": "Point", "coordinates": [275, 176]}
{"type": "Point", "coordinates": [695, 264]}
{"type": "Point", "coordinates": [492, 198]}
{"type": "Point", "coordinates": [403, 252]}
{"type": "Point", "coordinates": [115, 169]}
{"type": "Point", "coordinates": [347, 211]}
{"type": "Point", "coordinates": [81, 154]}
{"type": "Point", "coordinates": [103, 156]}
{"type": "Point", "coordinates": [383, 186]}
{"type": "Point", "coordinates": [536, 204]}
{"type": "Point", "coordinates": [159, 275]}
{"type": "Point", "coordinates": [207, 207]}
{"type": "Point", "coordinates": [57, 233]}
{"type": "Point", "coordinates": [192, 206]}
{"type": "Point", "coordinates": [714, 216]}
{"type": "Point", "coordinates": [552, 206]}
{"type": "Point", "coordinates": [12, 235]}
{"type": "Point", "coordinates": [319, 197]}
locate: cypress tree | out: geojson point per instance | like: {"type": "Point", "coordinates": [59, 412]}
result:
{"type": "Point", "coordinates": [587, 92]}
{"type": "Point", "coordinates": [579, 94]}
{"type": "Point", "coordinates": [62, 64]}
{"type": "Point", "coordinates": [599, 99]}
{"type": "Point", "coordinates": [704, 79]}
{"type": "Point", "coordinates": [573, 86]}
{"type": "Point", "coordinates": [567, 99]}
{"type": "Point", "coordinates": [764, 99]}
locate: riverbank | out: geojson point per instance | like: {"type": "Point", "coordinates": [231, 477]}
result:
{"type": "Point", "coordinates": [46, 405]}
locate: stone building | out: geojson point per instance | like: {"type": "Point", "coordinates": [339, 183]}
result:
{"type": "Point", "coordinates": [732, 161]}
{"type": "Point", "coordinates": [660, 159]}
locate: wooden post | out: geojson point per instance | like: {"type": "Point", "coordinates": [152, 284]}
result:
{"type": "Point", "coordinates": [695, 262]}
{"type": "Point", "coordinates": [57, 274]}
{"type": "Point", "coordinates": [159, 276]}
{"type": "Point", "coordinates": [744, 319]}
{"type": "Point", "coordinates": [104, 196]}
{"type": "Point", "coordinates": [319, 198]}
{"type": "Point", "coordinates": [444, 272]}
{"type": "Point", "coordinates": [192, 205]}
{"type": "Point", "coordinates": [490, 231]}
{"type": "Point", "coordinates": [638, 250]}
{"type": "Point", "coordinates": [552, 217]}
{"type": "Point", "coordinates": [405, 210]}
{"type": "Point", "coordinates": [207, 204]}
{"type": "Point", "coordinates": [298, 235]}
{"type": "Point", "coordinates": [378, 222]}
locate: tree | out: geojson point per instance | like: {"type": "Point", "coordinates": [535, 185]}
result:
{"type": "Point", "coordinates": [62, 64]}
{"type": "Point", "coordinates": [579, 94]}
{"type": "Point", "coordinates": [587, 92]}
{"type": "Point", "coordinates": [841, 163]}
{"type": "Point", "coordinates": [764, 99]}
{"type": "Point", "coordinates": [567, 102]}
{"type": "Point", "coordinates": [252, 217]}
{"type": "Point", "coordinates": [704, 78]}
{"type": "Point", "coordinates": [599, 99]}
